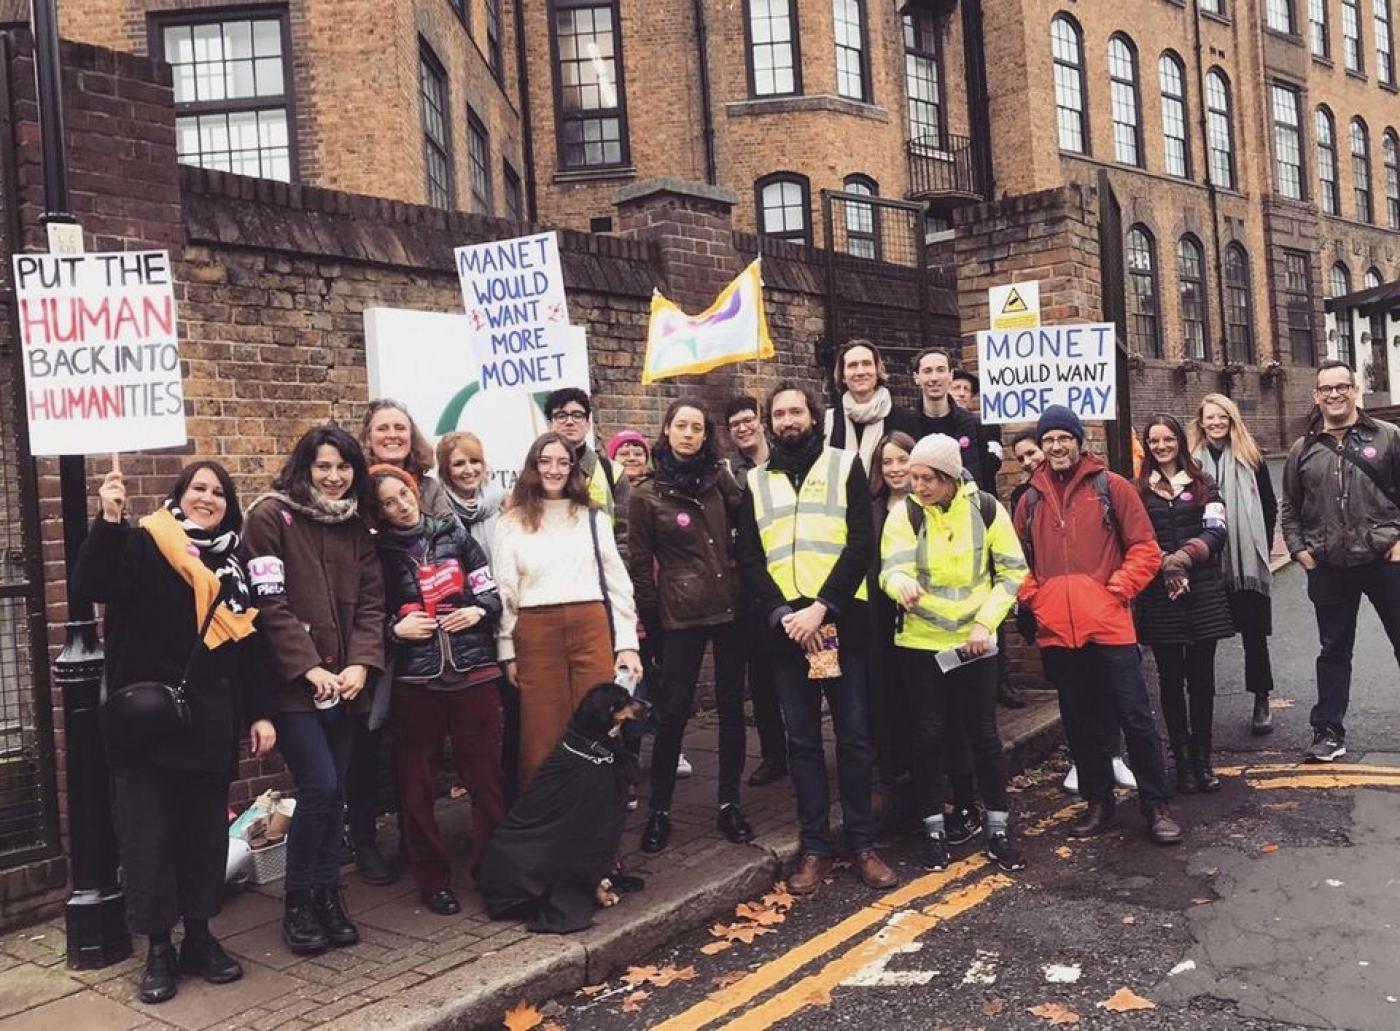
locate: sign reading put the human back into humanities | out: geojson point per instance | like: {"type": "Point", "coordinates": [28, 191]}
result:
{"type": "Point", "coordinates": [101, 353]}
{"type": "Point", "coordinates": [1025, 371]}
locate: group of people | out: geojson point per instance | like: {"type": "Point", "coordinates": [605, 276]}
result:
{"type": "Point", "coordinates": [859, 555]}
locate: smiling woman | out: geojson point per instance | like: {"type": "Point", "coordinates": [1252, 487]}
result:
{"type": "Point", "coordinates": [389, 436]}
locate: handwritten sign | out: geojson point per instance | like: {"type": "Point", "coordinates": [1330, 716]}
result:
{"type": "Point", "coordinates": [1025, 371]}
{"type": "Point", "coordinates": [101, 352]}
{"type": "Point", "coordinates": [513, 291]}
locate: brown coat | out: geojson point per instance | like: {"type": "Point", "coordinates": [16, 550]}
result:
{"type": "Point", "coordinates": [681, 552]}
{"type": "Point", "coordinates": [320, 597]}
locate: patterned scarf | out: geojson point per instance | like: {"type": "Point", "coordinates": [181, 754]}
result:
{"type": "Point", "coordinates": [219, 552]}
{"type": "Point", "coordinates": [320, 510]}
{"type": "Point", "coordinates": [191, 553]}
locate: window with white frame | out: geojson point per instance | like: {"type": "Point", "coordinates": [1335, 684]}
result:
{"type": "Point", "coordinates": [1351, 36]}
{"type": "Point", "coordinates": [1346, 338]}
{"type": "Point", "coordinates": [923, 76]}
{"type": "Point", "coordinates": [774, 70]}
{"type": "Point", "coordinates": [1239, 310]}
{"type": "Point", "coordinates": [1390, 158]}
{"type": "Point", "coordinates": [1319, 35]}
{"type": "Point", "coordinates": [1288, 141]}
{"type": "Point", "coordinates": [1385, 54]}
{"type": "Point", "coordinates": [1145, 327]}
{"type": "Point", "coordinates": [851, 78]}
{"type": "Point", "coordinates": [784, 209]}
{"type": "Point", "coordinates": [1329, 195]}
{"type": "Point", "coordinates": [1175, 140]}
{"type": "Point", "coordinates": [1220, 130]}
{"type": "Point", "coordinates": [1067, 51]}
{"type": "Point", "coordinates": [1361, 171]}
{"type": "Point", "coordinates": [1123, 100]}
{"type": "Point", "coordinates": [1278, 15]}
{"type": "Point", "coordinates": [1191, 286]}
{"type": "Point", "coordinates": [862, 220]}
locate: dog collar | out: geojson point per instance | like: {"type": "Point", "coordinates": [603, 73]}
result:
{"type": "Point", "coordinates": [596, 760]}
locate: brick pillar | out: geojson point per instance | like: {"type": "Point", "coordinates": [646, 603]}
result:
{"type": "Point", "coordinates": [692, 227]}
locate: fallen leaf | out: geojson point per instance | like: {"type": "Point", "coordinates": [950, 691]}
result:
{"type": "Point", "coordinates": [1054, 1013]}
{"type": "Point", "coordinates": [640, 975]}
{"type": "Point", "coordinates": [590, 990]}
{"type": "Point", "coordinates": [1280, 703]}
{"type": "Point", "coordinates": [1129, 920]}
{"type": "Point", "coordinates": [1125, 1000]}
{"type": "Point", "coordinates": [456, 791]}
{"type": "Point", "coordinates": [633, 1002]}
{"type": "Point", "coordinates": [746, 933]}
{"type": "Point", "coordinates": [1063, 852]}
{"type": "Point", "coordinates": [725, 980]}
{"type": "Point", "coordinates": [670, 975]}
{"type": "Point", "coordinates": [762, 917]}
{"type": "Point", "coordinates": [715, 948]}
{"type": "Point", "coordinates": [523, 1017]}
{"type": "Point", "coordinates": [1281, 807]}
{"type": "Point", "coordinates": [778, 898]}
{"type": "Point", "coordinates": [1266, 849]}
{"type": "Point", "coordinates": [993, 1008]}
{"type": "Point", "coordinates": [1201, 902]}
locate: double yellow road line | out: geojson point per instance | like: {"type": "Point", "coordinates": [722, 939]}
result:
{"type": "Point", "coordinates": [1314, 776]}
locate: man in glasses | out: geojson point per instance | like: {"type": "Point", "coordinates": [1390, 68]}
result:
{"type": "Point", "coordinates": [570, 414]}
{"type": "Point", "coordinates": [1341, 522]}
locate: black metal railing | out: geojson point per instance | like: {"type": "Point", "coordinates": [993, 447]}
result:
{"type": "Point", "coordinates": [941, 169]}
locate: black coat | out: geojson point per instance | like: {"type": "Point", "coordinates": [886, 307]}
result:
{"type": "Point", "coordinates": [454, 553]}
{"type": "Point", "coordinates": [150, 630]}
{"type": "Point", "coordinates": [1203, 613]}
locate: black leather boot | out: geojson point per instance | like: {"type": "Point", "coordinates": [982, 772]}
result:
{"type": "Point", "coordinates": [1186, 781]}
{"type": "Point", "coordinates": [326, 904]}
{"type": "Point", "coordinates": [300, 929]}
{"type": "Point", "coordinates": [374, 868]}
{"type": "Point", "coordinates": [1262, 721]}
{"type": "Point", "coordinates": [1206, 779]}
{"type": "Point", "coordinates": [1097, 818]}
{"type": "Point", "coordinates": [161, 976]}
{"type": "Point", "coordinates": [203, 956]}
{"type": "Point", "coordinates": [657, 833]}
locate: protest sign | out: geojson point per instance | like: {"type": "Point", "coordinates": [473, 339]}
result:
{"type": "Point", "coordinates": [513, 292]}
{"type": "Point", "coordinates": [426, 360]}
{"type": "Point", "coordinates": [101, 353]}
{"type": "Point", "coordinates": [1025, 371]}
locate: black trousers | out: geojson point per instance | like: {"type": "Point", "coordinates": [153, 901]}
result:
{"type": "Point", "coordinates": [362, 779]}
{"type": "Point", "coordinates": [1336, 594]}
{"type": "Point", "coordinates": [763, 690]}
{"type": "Point", "coordinates": [1186, 681]}
{"type": "Point", "coordinates": [681, 654]}
{"type": "Point", "coordinates": [950, 711]}
{"type": "Point", "coordinates": [172, 834]}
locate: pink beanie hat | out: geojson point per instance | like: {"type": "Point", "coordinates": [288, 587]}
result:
{"type": "Point", "coordinates": [626, 437]}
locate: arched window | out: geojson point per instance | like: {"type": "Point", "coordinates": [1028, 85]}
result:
{"type": "Point", "coordinates": [784, 207]}
{"type": "Point", "coordinates": [1123, 101]}
{"type": "Point", "coordinates": [852, 80]}
{"type": "Point", "coordinates": [1145, 330]}
{"type": "Point", "coordinates": [1220, 130]}
{"type": "Point", "coordinates": [1390, 156]}
{"type": "Point", "coordinates": [1325, 129]}
{"type": "Point", "coordinates": [1373, 278]}
{"type": "Point", "coordinates": [1172, 76]}
{"type": "Point", "coordinates": [862, 220]}
{"type": "Point", "coordinates": [1239, 311]}
{"type": "Point", "coordinates": [1191, 284]}
{"type": "Point", "coordinates": [1067, 49]}
{"type": "Point", "coordinates": [1340, 286]}
{"type": "Point", "coordinates": [1361, 170]}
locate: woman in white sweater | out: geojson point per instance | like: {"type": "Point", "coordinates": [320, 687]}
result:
{"type": "Point", "coordinates": [569, 621]}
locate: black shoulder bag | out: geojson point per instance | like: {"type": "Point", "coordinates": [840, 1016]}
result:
{"type": "Point", "coordinates": [602, 577]}
{"type": "Point", "coordinates": [140, 715]}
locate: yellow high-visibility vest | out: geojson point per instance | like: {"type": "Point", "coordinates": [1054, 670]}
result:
{"type": "Point", "coordinates": [804, 531]}
{"type": "Point", "coordinates": [599, 489]}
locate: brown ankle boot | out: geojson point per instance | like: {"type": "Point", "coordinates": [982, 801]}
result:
{"type": "Point", "coordinates": [809, 873]}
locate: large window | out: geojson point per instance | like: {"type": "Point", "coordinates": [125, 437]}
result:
{"type": "Point", "coordinates": [1239, 312]}
{"type": "Point", "coordinates": [784, 208]}
{"type": "Point", "coordinates": [851, 78]}
{"type": "Point", "coordinates": [1385, 55]}
{"type": "Point", "coordinates": [592, 127]}
{"type": "Point", "coordinates": [232, 93]}
{"type": "Point", "coordinates": [1213, 7]}
{"type": "Point", "coordinates": [1177, 148]}
{"type": "Point", "coordinates": [437, 147]}
{"type": "Point", "coordinates": [1288, 141]}
{"type": "Point", "coordinates": [1351, 36]}
{"type": "Point", "coordinates": [1319, 37]}
{"type": "Point", "coordinates": [1329, 196]}
{"type": "Point", "coordinates": [1361, 170]}
{"type": "Point", "coordinates": [1297, 292]}
{"type": "Point", "coordinates": [862, 220]}
{"type": "Point", "coordinates": [1278, 15]}
{"type": "Point", "coordinates": [774, 69]}
{"type": "Point", "coordinates": [1145, 330]}
{"type": "Point", "coordinates": [1346, 338]}
{"type": "Point", "coordinates": [1390, 156]}
{"type": "Point", "coordinates": [1191, 284]}
{"type": "Point", "coordinates": [514, 196]}
{"type": "Point", "coordinates": [493, 37]}
{"type": "Point", "coordinates": [1067, 49]}
{"type": "Point", "coordinates": [923, 76]}
{"type": "Point", "coordinates": [1123, 99]}
{"type": "Point", "coordinates": [1220, 130]}
{"type": "Point", "coordinates": [479, 163]}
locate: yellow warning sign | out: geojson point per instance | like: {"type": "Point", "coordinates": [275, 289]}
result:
{"type": "Point", "coordinates": [1014, 306]}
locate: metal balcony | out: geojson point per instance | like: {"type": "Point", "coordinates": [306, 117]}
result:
{"type": "Point", "coordinates": [941, 172]}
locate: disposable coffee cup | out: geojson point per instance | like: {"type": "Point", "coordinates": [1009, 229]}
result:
{"type": "Point", "coordinates": [327, 703]}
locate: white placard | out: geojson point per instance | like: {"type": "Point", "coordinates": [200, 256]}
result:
{"type": "Point", "coordinates": [101, 352]}
{"type": "Point", "coordinates": [426, 360]}
{"type": "Point", "coordinates": [1025, 371]}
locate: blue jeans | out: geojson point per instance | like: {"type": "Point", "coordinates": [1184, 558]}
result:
{"type": "Point", "coordinates": [801, 701]}
{"type": "Point", "coordinates": [316, 747]}
{"type": "Point", "coordinates": [1101, 690]}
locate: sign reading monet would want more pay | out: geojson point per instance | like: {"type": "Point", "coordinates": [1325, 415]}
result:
{"type": "Point", "coordinates": [1025, 371]}
{"type": "Point", "coordinates": [101, 352]}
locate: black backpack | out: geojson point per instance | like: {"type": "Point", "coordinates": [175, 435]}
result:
{"type": "Point", "coordinates": [1032, 501]}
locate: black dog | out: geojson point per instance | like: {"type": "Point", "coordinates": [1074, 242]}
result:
{"type": "Point", "coordinates": [550, 860]}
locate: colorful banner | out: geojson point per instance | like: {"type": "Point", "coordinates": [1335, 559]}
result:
{"type": "Point", "coordinates": [101, 352]}
{"type": "Point", "coordinates": [733, 329]}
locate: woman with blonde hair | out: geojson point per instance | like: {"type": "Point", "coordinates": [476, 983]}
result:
{"type": "Point", "coordinates": [469, 487]}
{"type": "Point", "coordinates": [1223, 445]}
{"type": "Point", "coordinates": [568, 621]}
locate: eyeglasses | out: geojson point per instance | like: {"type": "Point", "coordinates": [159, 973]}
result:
{"type": "Point", "coordinates": [740, 421]}
{"type": "Point", "coordinates": [1339, 389]}
{"type": "Point", "coordinates": [1056, 440]}
{"type": "Point", "coordinates": [570, 415]}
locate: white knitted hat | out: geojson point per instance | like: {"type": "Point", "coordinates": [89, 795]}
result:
{"type": "Point", "coordinates": [940, 452]}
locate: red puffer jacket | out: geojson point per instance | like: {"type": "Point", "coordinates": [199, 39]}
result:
{"type": "Point", "coordinates": [1085, 572]}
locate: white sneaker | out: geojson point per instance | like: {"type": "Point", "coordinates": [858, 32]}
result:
{"type": "Point", "coordinates": [683, 767]}
{"type": "Point", "coordinates": [1123, 776]}
{"type": "Point", "coordinates": [1072, 780]}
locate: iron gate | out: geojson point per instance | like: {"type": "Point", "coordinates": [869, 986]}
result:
{"type": "Point", "coordinates": [28, 788]}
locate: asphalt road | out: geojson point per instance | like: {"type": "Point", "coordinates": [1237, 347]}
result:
{"type": "Point", "coordinates": [1281, 910]}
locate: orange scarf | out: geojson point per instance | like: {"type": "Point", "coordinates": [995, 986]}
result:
{"type": "Point", "coordinates": [177, 549]}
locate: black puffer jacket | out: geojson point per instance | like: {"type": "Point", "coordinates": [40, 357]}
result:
{"type": "Point", "coordinates": [1203, 612]}
{"type": "Point", "coordinates": [445, 558]}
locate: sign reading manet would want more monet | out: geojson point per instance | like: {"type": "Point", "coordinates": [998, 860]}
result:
{"type": "Point", "coordinates": [513, 293]}
{"type": "Point", "coordinates": [101, 352]}
{"type": "Point", "coordinates": [1025, 371]}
